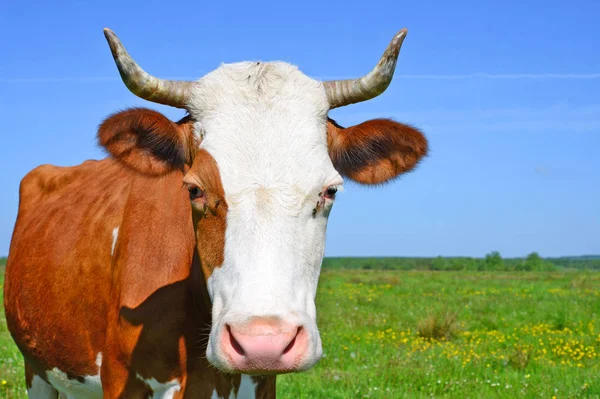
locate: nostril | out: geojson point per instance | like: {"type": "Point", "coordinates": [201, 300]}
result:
{"type": "Point", "coordinates": [291, 344]}
{"type": "Point", "coordinates": [234, 344]}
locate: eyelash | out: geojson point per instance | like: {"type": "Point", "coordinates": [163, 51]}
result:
{"type": "Point", "coordinates": [327, 194]}
{"type": "Point", "coordinates": [330, 192]}
{"type": "Point", "coordinates": [195, 192]}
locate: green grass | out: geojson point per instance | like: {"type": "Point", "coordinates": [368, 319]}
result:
{"type": "Point", "coordinates": [509, 335]}
{"type": "Point", "coordinates": [12, 379]}
{"type": "Point", "coordinates": [417, 334]}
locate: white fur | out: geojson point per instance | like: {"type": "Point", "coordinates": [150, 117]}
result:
{"type": "Point", "coordinates": [115, 235]}
{"type": "Point", "coordinates": [265, 125]}
{"type": "Point", "coordinates": [161, 390]}
{"type": "Point", "coordinates": [91, 387]}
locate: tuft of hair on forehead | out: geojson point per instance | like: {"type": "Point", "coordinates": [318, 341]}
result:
{"type": "Point", "coordinates": [249, 84]}
{"type": "Point", "coordinates": [261, 77]}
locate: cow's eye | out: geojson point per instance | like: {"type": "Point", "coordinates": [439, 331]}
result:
{"type": "Point", "coordinates": [330, 192]}
{"type": "Point", "coordinates": [195, 192]}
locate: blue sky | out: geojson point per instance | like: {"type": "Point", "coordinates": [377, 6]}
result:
{"type": "Point", "coordinates": [506, 92]}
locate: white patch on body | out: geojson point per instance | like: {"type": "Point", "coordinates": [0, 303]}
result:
{"type": "Point", "coordinates": [162, 390]}
{"type": "Point", "coordinates": [91, 387]}
{"type": "Point", "coordinates": [115, 235]}
{"type": "Point", "coordinates": [40, 389]}
{"type": "Point", "coordinates": [265, 125]}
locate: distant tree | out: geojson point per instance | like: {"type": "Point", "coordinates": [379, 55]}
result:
{"type": "Point", "coordinates": [438, 263]}
{"type": "Point", "coordinates": [534, 262]}
{"type": "Point", "coordinates": [493, 261]}
{"type": "Point", "coordinates": [469, 264]}
{"type": "Point", "coordinates": [409, 264]}
{"type": "Point", "coordinates": [455, 264]}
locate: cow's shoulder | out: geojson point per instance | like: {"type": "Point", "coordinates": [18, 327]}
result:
{"type": "Point", "coordinates": [50, 179]}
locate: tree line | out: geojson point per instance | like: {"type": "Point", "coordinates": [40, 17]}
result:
{"type": "Point", "coordinates": [493, 261]}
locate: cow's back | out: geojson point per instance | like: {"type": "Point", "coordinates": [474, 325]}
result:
{"type": "Point", "coordinates": [58, 271]}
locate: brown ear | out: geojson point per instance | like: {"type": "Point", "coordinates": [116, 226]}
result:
{"type": "Point", "coordinates": [147, 141]}
{"type": "Point", "coordinates": [374, 151]}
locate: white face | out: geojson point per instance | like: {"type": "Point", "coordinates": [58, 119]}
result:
{"type": "Point", "coordinates": [265, 125]}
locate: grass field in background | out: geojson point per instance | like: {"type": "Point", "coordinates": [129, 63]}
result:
{"type": "Point", "coordinates": [394, 334]}
{"type": "Point", "coordinates": [12, 380]}
{"type": "Point", "coordinates": [500, 334]}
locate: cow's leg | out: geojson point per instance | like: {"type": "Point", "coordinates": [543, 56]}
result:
{"type": "Point", "coordinates": [37, 388]}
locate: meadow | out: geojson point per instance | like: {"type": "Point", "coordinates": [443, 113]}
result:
{"type": "Point", "coordinates": [443, 334]}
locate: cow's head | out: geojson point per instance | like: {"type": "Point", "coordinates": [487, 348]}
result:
{"type": "Point", "coordinates": [265, 163]}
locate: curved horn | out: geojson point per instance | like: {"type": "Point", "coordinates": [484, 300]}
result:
{"type": "Point", "coordinates": [345, 92]}
{"type": "Point", "coordinates": [169, 92]}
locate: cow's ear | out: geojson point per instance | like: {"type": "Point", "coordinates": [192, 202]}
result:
{"type": "Point", "coordinates": [147, 141]}
{"type": "Point", "coordinates": [375, 151]}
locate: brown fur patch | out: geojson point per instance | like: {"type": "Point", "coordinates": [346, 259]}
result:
{"type": "Point", "coordinates": [265, 386]}
{"type": "Point", "coordinates": [375, 151]}
{"type": "Point", "coordinates": [146, 309]}
{"type": "Point", "coordinates": [59, 264]}
{"type": "Point", "coordinates": [210, 211]}
{"type": "Point", "coordinates": [147, 141]}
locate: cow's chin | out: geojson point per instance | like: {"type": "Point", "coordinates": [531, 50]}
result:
{"type": "Point", "coordinates": [264, 347]}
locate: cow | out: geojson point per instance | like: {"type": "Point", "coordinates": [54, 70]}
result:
{"type": "Point", "coordinates": [186, 263]}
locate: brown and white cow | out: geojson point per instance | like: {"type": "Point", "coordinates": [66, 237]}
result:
{"type": "Point", "coordinates": [186, 264]}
